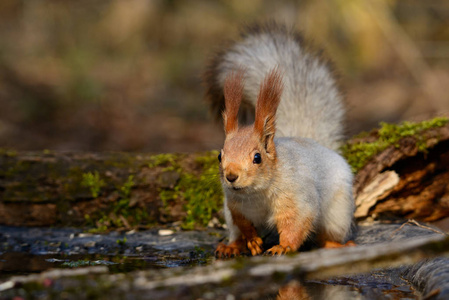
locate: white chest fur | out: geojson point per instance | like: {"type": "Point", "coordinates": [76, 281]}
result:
{"type": "Point", "coordinates": [255, 208]}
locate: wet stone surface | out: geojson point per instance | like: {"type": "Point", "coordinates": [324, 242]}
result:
{"type": "Point", "coordinates": [75, 241]}
{"type": "Point", "coordinates": [116, 265]}
{"type": "Point", "coordinates": [31, 250]}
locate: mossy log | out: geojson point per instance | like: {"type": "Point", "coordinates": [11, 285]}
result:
{"type": "Point", "coordinates": [408, 178]}
{"type": "Point", "coordinates": [402, 171]}
{"type": "Point", "coordinates": [106, 190]}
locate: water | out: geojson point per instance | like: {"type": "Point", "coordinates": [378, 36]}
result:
{"type": "Point", "coordinates": [376, 285]}
{"type": "Point", "coordinates": [33, 251]}
{"type": "Point", "coordinates": [19, 263]}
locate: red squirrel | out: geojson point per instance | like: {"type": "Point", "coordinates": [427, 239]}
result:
{"type": "Point", "coordinates": [295, 183]}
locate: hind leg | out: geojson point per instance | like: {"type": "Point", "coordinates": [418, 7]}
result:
{"type": "Point", "coordinates": [293, 225]}
{"type": "Point", "coordinates": [332, 245]}
{"type": "Point", "coordinates": [337, 220]}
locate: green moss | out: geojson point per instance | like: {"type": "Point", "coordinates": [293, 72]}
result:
{"type": "Point", "coordinates": [359, 154]}
{"type": "Point", "coordinates": [162, 159]}
{"type": "Point", "coordinates": [201, 193]}
{"type": "Point", "coordinates": [194, 185]}
{"type": "Point", "coordinates": [8, 152]}
{"type": "Point", "coordinates": [118, 160]}
{"type": "Point", "coordinates": [121, 242]}
{"type": "Point", "coordinates": [125, 189]}
{"type": "Point", "coordinates": [167, 196]}
{"type": "Point", "coordinates": [93, 182]}
{"type": "Point", "coordinates": [122, 205]}
{"type": "Point", "coordinates": [119, 214]}
{"type": "Point", "coordinates": [99, 229]}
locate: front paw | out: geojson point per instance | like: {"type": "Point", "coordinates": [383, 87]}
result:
{"type": "Point", "coordinates": [279, 250]}
{"type": "Point", "coordinates": [225, 251]}
{"type": "Point", "coordinates": [255, 245]}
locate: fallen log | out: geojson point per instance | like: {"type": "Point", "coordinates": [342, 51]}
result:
{"type": "Point", "coordinates": [108, 190]}
{"type": "Point", "coordinates": [408, 177]}
{"type": "Point", "coordinates": [402, 171]}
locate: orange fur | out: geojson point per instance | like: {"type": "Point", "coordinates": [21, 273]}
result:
{"type": "Point", "coordinates": [238, 157]}
{"type": "Point", "coordinates": [249, 233]}
{"type": "Point", "coordinates": [267, 185]}
{"type": "Point", "coordinates": [331, 244]}
{"type": "Point", "coordinates": [267, 104]}
{"type": "Point", "coordinates": [293, 231]}
{"type": "Point", "coordinates": [240, 147]}
{"type": "Point", "coordinates": [293, 290]}
{"type": "Point", "coordinates": [233, 249]}
{"type": "Point", "coordinates": [233, 93]}
{"type": "Point", "coordinates": [249, 240]}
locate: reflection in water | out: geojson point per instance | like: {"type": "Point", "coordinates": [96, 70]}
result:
{"type": "Point", "coordinates": [292, 290]}
{"type": "Point", "coordinates": [345, 288]}
{"type": "Point", "coordinates": [295, 290]}
{"type": "Point", "coordinates": [19, 263]}
{"type": "Point", "coordinates": [376, 285]}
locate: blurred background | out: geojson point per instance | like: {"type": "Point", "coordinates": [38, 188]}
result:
{"type": "Point", "coordinates": [126, 74]}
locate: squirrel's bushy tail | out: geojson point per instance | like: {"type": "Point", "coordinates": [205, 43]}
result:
{"type": "Point", "coordinates": [311, 104]}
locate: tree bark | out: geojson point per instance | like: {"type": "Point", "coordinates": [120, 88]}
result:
{"type": "Point", "coordinates": [403, 182]}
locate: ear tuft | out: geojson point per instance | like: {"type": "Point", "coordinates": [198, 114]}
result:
{"type": "Point", "coordinates": [233, 93]}
{"type": "Point", "coordinates": [267, 103]}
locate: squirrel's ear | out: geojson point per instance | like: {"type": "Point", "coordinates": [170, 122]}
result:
{"type": "Point", "coordinates": [267, 104]}
{"type": "Point", "coordinates": [233, 93]}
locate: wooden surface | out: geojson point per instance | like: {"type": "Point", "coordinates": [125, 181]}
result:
{"type": "Point", "coordinates": [414, 184]}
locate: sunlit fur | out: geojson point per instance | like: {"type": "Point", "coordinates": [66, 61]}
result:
{"type": "Point", "coordinates": [317, 179]}
{"type": "Point", "coordinates": [233, 91]}
{"type": "Point", "coordinates": [267, 104]}
{"type": "Point", "coordinates": [237, 158]}
{"type": "Point", "coordinates": [311, 103]}
{"type": "Point", "coordinates": [300, 187]}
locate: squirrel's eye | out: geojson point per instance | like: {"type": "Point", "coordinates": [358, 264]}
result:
{"type": "Point", "coordinates": [219, 157]}
{"type": "Point", "coordinates": [257, 158]}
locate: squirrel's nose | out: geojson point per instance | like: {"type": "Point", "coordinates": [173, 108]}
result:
{"type": "Point", "coordinates": [231, 177]}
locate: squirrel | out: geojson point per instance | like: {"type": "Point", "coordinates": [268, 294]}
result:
{"type": "Point", "coordinates": [270, 83]}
